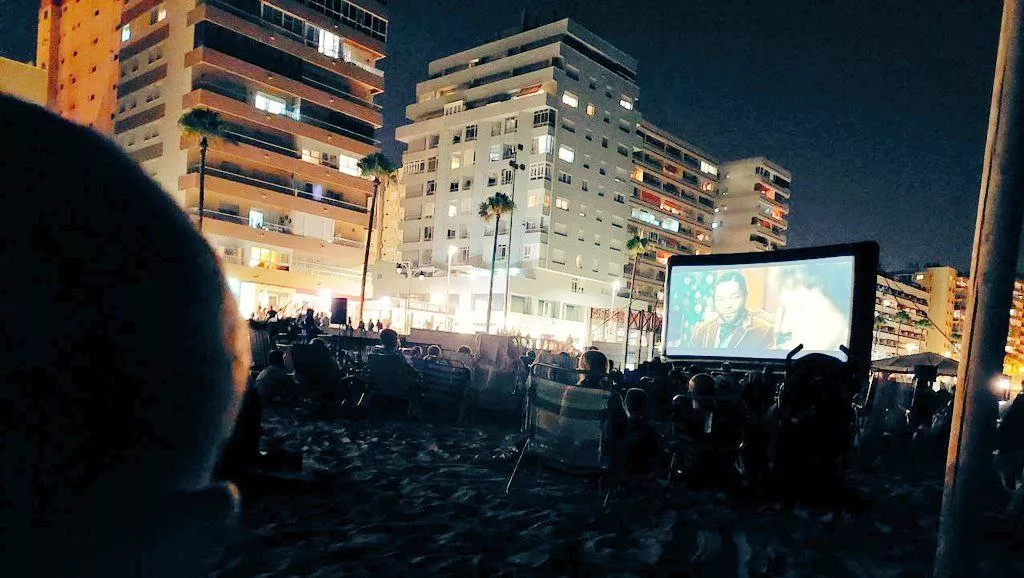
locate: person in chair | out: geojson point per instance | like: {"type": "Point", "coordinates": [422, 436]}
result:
{"type": "Point", "coordinates": [733, 327]}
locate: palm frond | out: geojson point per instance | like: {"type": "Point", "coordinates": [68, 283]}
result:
{"type": "Point", "coordinates": [377, 165]}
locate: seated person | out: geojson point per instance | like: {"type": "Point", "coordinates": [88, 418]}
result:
{"type": "Point", "coordinates": [464, 349]}
{"type": "Point", "coordinates": [112, 424]}
{"type": "Point", "coordinates": [638, 450]}
{"type": "Point", "coordinates": [433, 354]}
{"type": "Point", "coordinates": [594, 365]}
{"type": "Point", "coordinates": [389, 370]}
{"type": "Point", "coordinates": [273, 383]}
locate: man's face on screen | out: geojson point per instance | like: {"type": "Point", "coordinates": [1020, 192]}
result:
{"type": "Point", "coordinates": [729, 301]}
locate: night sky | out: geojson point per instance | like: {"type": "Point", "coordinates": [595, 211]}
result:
{"type": "Point", "coordinates": [878, 108]}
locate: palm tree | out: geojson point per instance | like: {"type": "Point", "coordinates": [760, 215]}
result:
{"type": "Point", "coordinates": [922, 324]}
{"type": "Point", "coordinates": [634, 248]}
{"type": "Point", "coordinates": [381, 170]}
{"type": "Point", "coordinates": [900, 318]}
{"type": "Point", "coordinates": [495, 207]}
{"type": "Point", "coordinates": [880, 320]}
{"type": "Point", "coordinates": [205, 124]}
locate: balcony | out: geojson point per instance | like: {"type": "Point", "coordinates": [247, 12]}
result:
{"type": "Point", "coordinates": [259, 29]}
{"type": "Point", "coordinates": [236, 182]}
{"type": "Point", "coordinates": [236, 101]}
{"type": "Point", "coordinates": [239, 226]}
{"type": "Point", "coordinates": [773, 201]}
{"type": "Point", "coordinates": [280, 157]}
{"type": "Point", "coordinates": [307, 89]}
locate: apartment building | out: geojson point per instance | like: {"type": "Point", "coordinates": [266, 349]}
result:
{"type": "Point", "coordinates": [672, 205]}
{"type": "Point", "coordinates": [23, 81]}
{"type": "Point", "coordinates": [753, 206]}
{"type": "Point", "coordinates": [901, 318]}
{"type": "Point", "coordinates": [947, 302]}
{"type": "Point", "coordinates": [295, 83]}
{"type": "Point", "coordinates": [561, 103]}
{"type": "Point", "coordinates": [77, 45]}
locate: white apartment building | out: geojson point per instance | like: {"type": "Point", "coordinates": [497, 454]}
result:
{"type": "Point", "coordinates": [561, 101]}
{"type": "Point", "coordinates": [901, 319]}
{"type": "Point", "coordinates": [753, 206]}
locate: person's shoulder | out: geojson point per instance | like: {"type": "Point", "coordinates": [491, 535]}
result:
{"type": "Point", "coordinates": [759, 324]}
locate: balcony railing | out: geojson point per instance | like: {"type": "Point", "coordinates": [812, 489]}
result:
{"type": "Point", "coordinates": [264, 226]}
{"type": "Point", "coordinates": [241, 94]}
{"type": "Point", "coordinates": [238, 176]}
{"type": "Point", "coordinates": [773, 201]}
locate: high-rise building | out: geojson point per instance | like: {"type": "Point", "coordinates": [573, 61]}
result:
{"type": "Point", "coordinates": [294, 82]}
{"type": "Point", "coordinates": [672, 205]}
{"type": "Point", "coordinates": [560, 101]}
{"type": "Point", "coordinates": [390, 214]}
{"type": "Point", "coordinates": [753, 206]}
{"type": "Point", "coordinates": [23, 81]}
{"type": "Point", "coordinates": [901, 315]}
{"type": "Point", "coordinates": [947, 301]}
{"type": "Point", "coordinates": [77, 45]}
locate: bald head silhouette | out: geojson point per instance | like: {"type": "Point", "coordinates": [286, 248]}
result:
{"type": "Point", "coordinates": [123, 361]}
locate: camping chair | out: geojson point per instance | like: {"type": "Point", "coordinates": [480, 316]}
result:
{"type": "Point", "coordinates": [318, 375]}
{"type": "Point", "coordinates": [568, 428]}
{"type": "Point", "coordinates": [442, 380]}
{"type": "Point", "coordinates": [260, 345]}
{"type": "Point", "coordinates": [389, 376]}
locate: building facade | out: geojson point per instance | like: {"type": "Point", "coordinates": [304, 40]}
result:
{"type": "Point", "coordinates": [23, 81]}
{"type": "Point", "coordinates": [901, 318]}
{"type": "Point", "coordinates": [560, 102]}
{"type": "Point", "coordinates": [672, 205]}
{"type": "Point", "coordinates": [77, 44]}
{"type": "Point", "coordinates": [753, 206]}
{"type": "Point", "coordinates": [947, 302]}
{"type": "Point", "coordinates": [295, 83]}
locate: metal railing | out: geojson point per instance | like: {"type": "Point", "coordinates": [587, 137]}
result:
{"type": "Point", "coordinates": [239, 177]}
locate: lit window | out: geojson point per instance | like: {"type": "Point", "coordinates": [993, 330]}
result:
{"type": "Point", "coordinates": [626, 103]}
{"type": "Point", "coordinates": [531, 201]}
{"type": "Point", "coordinates": [566, 154]}
{"type": "Point", "coordinates": [157, 15]}
{"type": "Point", "coordinates": [453, 209]}
{"type": "Point", "coordinates": [329, 45]}
{"type": "Point", "coordinates": [495, 152]}
{"type": "Point", "coordinates": [271, 104]}
{"type": "Point", "coordinates": [570, 99]}
{"type": "Point", "coordinates": [456, 160]}
{"type": "Point", "coordinates": [349, 165]}
{"type": "Point", "coordinates": [562, 203]}
{"type": "Point", "coordinates": [542, 144]}
{"type": "Point", "coordinates": [708, 168]}
{"type": "Point", "coordinates": [126, 32]}
{"type": "Point", "coordinates": [591, 109]}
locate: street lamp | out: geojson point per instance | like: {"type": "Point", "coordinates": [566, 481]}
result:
{"type": "Point", "coordinates": [615, 290]}
{"type": "Point", "coordinates": [516, 166]}
{"type": "Point", "coordinates": [452, 249]}
{"type": "Point", "coordinates": [406, 268]}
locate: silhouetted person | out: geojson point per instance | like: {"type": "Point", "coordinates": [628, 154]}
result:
{"type": "Point", "coordinates": [273, 383]}
{"type": "Point", "coordinates": [111, 423]}
{"type": "Point", "coordinates": [639, 449]}
{"type": "Point", "coordinates": [594, 366]}
{"type": "Point", "coordinates": [433, 353]}
{"type": "Point", "coordinates": [362, 327]}
{"type": "Point", "coordinates": [380, 325]}
{"type": "Point", "coordinates": [465, 349]}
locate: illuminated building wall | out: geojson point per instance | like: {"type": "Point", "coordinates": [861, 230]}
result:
{"type": "Point", "coordinates": [567, 98]}
{"type": "Point", "coordinates": [295, 83]}
{"type": "Point", "coordinates": [901, 313]}
{"type": "Point", "coordinates": [674, 187]}
{"type": "Point", "coordinates": [753, 206]}
{"type": "Point", "coordinates": [23, 81]}
{"type": "Point", "coordinates": [77, 45]}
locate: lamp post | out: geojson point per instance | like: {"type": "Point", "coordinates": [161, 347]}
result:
{"type": "Point", "coordinates": [406, 268]}
{"type": "Point", "coordinates": [452, 249]}
{"type": "Point", "coordinates": [514, 163]}
{"type": "Point", "coordinates": [615, 290]}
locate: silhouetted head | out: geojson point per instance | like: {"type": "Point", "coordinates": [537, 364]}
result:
{"type": "Point", "coordinates": [318, 343]}
{"type": "Point", "coordinates": [726, 368]}
{"type": "Point", "coordinates": [434, 350]}
{"type": "Point", "coordinates": [591, 348]}
{"type": "Point", "coordinates": [702, 389]}
{"type": "Point", "coordinates": [276, 357]}
{"type": "Point", "coordinates": [112, 423]}
{"type": "Point", "coordinates": [594, 362]}
{"type": "Point", "coordinates": [531, 355]}
{"type": "Point", "coordinates": [389, 339]}
{"type": "Point", "coordinates": [465, 349]}
{"type": "Point", "coordinates": [635, 403]}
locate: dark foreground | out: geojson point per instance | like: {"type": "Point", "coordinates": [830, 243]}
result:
{"type": "Point", "coordinates": [400, 497]}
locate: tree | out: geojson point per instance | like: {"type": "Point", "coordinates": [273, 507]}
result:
{"type": "Point", "coordinates": [205, 124]}
{"type": "Point", "coordinates": [381, 170]}
{"type": "Point", "coordinates": [922, 324]}
{"type": "Point", "coordinates": [880, 320]}
{"type": "Point", "coordinates": [495, 207]}
{"type": "Point", "coordinates": [900, 318]}
{"type": "Point", "coordinates": [634, 248]}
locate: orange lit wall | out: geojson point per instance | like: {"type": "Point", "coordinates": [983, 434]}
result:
{"type": "Point", "coordinates": [77, 45]}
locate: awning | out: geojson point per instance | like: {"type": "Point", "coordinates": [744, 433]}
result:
{"type": "Point", "coordinates": [906, 363]}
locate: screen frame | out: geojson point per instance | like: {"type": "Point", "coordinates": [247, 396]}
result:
{"type": "Point", "coordinates": [865, 271]}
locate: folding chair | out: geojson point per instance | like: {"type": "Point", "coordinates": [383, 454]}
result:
{"type": "Point", "coordinates": [567, 428]}
{"type": "Point", "coordinates": [389, 376]}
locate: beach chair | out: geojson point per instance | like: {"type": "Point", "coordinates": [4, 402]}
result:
{"type": "Point", "coordinates": [390, 376]}
{"type": "Point", "coordinates": [446, 382]}
{"type": "Point", "coordinates": [260, 345]}
{"type": "Point", "coordinates": [566, 427]}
